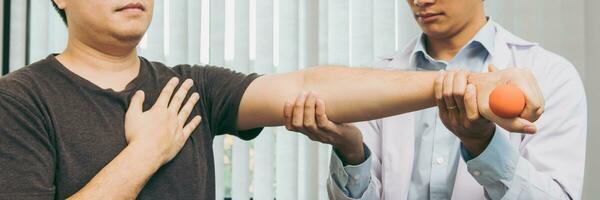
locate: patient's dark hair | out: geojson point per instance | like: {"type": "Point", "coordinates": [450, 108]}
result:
{"type": "Point", "coordinates": [61, 12]}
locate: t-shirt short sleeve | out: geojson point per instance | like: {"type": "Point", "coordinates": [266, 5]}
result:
{"type": "Point", "coordinates": [222, 90]}
{"type": "Point", "coordinates": [26, 152]}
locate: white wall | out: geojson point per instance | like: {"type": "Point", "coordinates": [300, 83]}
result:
{"type": "Point", "coordinates": [570, 28]}
{"type": "Point", "coordinates": [556, 24]}
{"type": "Point", "coordinates": [592, 83]}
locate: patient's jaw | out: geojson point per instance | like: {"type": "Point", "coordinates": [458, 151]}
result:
{"type": "Point", "coordinates": [108, 25]}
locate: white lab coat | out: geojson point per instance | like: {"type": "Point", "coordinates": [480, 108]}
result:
{"type": "Point", "coordinates": [555, 155]}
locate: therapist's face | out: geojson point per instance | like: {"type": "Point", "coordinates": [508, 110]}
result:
{"type": "Point", "coordinates": [445, 18]}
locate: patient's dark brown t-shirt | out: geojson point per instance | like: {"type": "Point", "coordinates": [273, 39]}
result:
{"type": "Point", "coordinates": [58, 130]}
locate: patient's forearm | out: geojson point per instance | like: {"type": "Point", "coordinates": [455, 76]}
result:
{"type": "Point", "coordinates": [364, 94]}
{"type": "Point", "coordinates": [122, 178]}
{"type": "Point", "coordinates": [352, 94]}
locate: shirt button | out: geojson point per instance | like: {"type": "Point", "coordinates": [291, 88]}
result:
{"type": "Point", "coordinates": [356, 177]}
{"type": "Point", "coordinates": [439, 160]}
{"type": "Point", "coordinates": [476, 173]}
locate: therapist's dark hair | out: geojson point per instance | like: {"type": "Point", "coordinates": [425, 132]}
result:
{"type": "Point", "coordinates": [61, 12]}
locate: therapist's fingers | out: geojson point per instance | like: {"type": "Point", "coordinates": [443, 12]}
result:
{"type": "Point", "coordinates": [439, 96]}
{"type": "Point", "coordinates": [459, 88]}
{"type": "Point", "coordinates": [470, 99]}
{"type": "Point", "coordinates": [298, 112]}
{"type": "Point", "coordinates": [309, 113]}
{"type": "Point", "coordinates": [288, 110]}
{"type": "Point", "coordinates": [323, 121]}
{"type": "Point", "coordinates": [444, 114]}
{"type": "Point", "coordinates": [448, 93]}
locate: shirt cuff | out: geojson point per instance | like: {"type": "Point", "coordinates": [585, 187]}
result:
{"type": "Point", "coordinates": [495, 167]}
{"type": "Point", "coordinates": [353, 180]}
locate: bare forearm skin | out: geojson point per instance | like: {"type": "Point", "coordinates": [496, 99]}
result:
{"type": "Point", "coordinates": [352, 94]}
{"type": "Point", "coordinates": [123, 178]}
{"type": "Point", "coordinates": [365, 94]}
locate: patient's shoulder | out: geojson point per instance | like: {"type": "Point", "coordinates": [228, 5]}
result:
{"type": "Point", "coordinates": [27, 82]}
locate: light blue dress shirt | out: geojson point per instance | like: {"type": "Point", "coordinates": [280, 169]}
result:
{"type": "Point", "coordinates": [437, 150]}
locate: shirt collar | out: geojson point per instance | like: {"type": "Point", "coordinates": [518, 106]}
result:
{"type": "Point", "coordinates": [485, 37]}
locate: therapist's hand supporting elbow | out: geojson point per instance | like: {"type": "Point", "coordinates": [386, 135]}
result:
{"type": "Point", "coordinates": [307, 115]}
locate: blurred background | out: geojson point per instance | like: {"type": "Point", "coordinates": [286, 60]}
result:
{"type": "Point", "coordinates": [270, 36]}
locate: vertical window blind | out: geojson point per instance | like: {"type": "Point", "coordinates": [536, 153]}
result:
{"type": "Point", "coordinates": [268, 36]}
{"type": "Point", "coordinates": [262, 36]}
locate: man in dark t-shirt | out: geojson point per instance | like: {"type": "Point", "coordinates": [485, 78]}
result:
{"type": "Point", "coordinates": [66, 128]}
{"type": "Point", "coordinates": [76, 124]}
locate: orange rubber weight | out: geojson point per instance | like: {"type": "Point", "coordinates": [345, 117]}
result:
{"type": "Point", "coordinates": [507, 101]}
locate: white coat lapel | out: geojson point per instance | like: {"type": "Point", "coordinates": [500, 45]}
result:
{"type": "Point", "coordinates": [398, 141]}
{"type": "Point", "coordinates": [465, 186]}
{"type": "Point", "coordinates": [398, 155]}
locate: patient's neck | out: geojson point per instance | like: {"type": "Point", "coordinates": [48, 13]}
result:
{"type": "Point", "coordinates": [106, 70]}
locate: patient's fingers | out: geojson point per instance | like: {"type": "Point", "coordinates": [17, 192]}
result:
{"type": "Point", "coordinates": [180, 95]}
{"type": "Point", "coordinates": [184, 114]}
{"type": "Point", "coordinates": [165, 95]}
{"type": "Point", "coordinates": [190, 127]}
{"type": "Point", "coordinates": [137, 103]}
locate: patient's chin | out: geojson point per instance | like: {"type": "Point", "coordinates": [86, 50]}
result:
{"type": "Point", "coordinates": [128, 36]}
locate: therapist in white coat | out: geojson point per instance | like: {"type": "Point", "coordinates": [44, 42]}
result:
{"type": "Point", "coordinates": [450, 151]}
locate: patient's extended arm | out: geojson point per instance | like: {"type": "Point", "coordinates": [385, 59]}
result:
{"type": "Point", "coordinates": [359, 94]}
